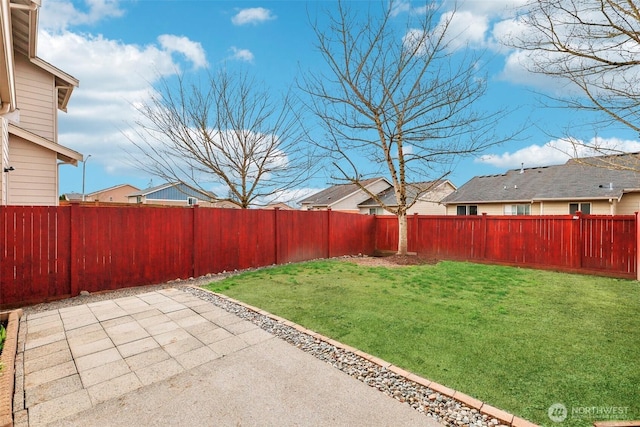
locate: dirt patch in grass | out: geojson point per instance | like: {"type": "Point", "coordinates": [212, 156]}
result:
{"type": "Point", "coordinates": [392, 261]}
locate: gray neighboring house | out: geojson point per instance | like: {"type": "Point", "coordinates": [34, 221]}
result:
{"type": "Point", "coordinates": [552, 190]}
{"type": "Point", "coordinates": [176, 194]}
{"type": "Point", "coordinates": [429, 195]}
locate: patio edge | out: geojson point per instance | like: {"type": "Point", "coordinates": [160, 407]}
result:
{"type": "Point", "coordinates": [8, 357]}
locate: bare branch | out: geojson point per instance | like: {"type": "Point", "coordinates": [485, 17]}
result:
{"type": "Point", "coordinates": [592, 44]}
{"type": "Point", "coordinates": [229, 132]}
{"type": "Point", "coordinates": [402, 100]}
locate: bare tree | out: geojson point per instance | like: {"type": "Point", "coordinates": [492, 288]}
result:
{"type": "Point", "coordinates": [397, 101]}
{"type": "Point", "coordinates": [595, 46]}
{"type": "Point", "coordinates": [230, 132]}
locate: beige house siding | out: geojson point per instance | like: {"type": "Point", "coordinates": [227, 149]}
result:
{"type": "Point", "coordinates": [201, 203]}
{"type": "Point", "coordinates": [350, 203]}
{"type": "Point", "coordinates": [35, 178]}
{"type": "Point", "coordinates": [489, 209]}
{"type": "Point", "coordinates": [598, 207]}
{"type": "Point", "coordinates": [427, 205]}
{"type": "Point", "coordinates": [114, 195]}
{"type": "Point", "coordinates": [629, 204]}
{"type": "Point", "coordinates": [37, 100]}
{"type": "Point", "coordinates": [427, 208]}
{"type": "Point", "coordinates": [420, 208]}
{"type": "Point", "coordinates": [4, 159]}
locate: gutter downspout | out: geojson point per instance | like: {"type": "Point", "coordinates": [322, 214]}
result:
{"type": "Point", "coordinates": [5, 26]}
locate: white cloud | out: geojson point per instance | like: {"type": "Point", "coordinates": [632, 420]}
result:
{"type": "Point", "coordinates": [59, 14]}
{"type": "Point", "coordinates": [241, 54]}
{"type": "Point", "coordinates": [103, 64]}
{"type": "Point", "coordinates": [494, 8]}
{"type": "Point", "coordinates": [400, 6]}
{"type": "Point", "coordinates": [254, 15]}
{"type": "Point", "coordinates": [515, 31]}
{"type": "Point", "coordinates": [558, 151]}
{"type": "Point", "coordinates": [471, 25]}
{"type": "Point", "coordinates": [291, 197]}
{"type": "Point", "coordinates": [515, 71]}
{"type": "Point", "coordinates": [193, 51]}
{"type": "Point", "coordinates": [113, 76]}
{"type": "Point", "coordinates": [464, 28]}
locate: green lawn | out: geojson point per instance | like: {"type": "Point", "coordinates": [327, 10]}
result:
{"type": "Point", "coordinates": [518, 339]}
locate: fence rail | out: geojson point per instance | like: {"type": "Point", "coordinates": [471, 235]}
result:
{"type": "Point", "coordinates": [49, 253]}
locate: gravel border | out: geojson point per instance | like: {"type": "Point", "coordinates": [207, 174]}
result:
{"type": "Point", "coordinates": [368, 369]}
{"type": "Point", "coordinates": [444, 409]}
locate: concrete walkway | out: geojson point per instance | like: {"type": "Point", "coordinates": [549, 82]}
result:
{"type": "Point", "coordinates": [170, 358]}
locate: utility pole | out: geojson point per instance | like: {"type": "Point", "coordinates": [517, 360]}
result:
{"type": "Point", "coordinates": [84, 164]}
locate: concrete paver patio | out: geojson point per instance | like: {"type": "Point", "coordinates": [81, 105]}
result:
{"type": "Point", "coordinates": [168, 357]}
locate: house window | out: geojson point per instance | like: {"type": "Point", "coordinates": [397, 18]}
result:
{"type": "Point", "coordinates": [192, 201]}
{"type": "Point", "coordinates": [375, 211]}
{"type": "Point", "coordinates": [584, 208]}
{"type": "Point", "coordinates": [467, 210]}
{"type": "Point", "coordinates": [523, 209]}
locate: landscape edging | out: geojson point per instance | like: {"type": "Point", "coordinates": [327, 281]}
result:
{"type": "Point", "coordinates": [484, 408]}
{"type": "Point", "coordinates": [7, 375]}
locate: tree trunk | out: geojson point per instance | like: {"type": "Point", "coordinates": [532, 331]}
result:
{"type": "Point", "coordinates": [402, 233]}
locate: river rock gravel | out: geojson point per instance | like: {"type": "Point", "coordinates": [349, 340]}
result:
{"type": "Point", "coordinates": [446, 410]}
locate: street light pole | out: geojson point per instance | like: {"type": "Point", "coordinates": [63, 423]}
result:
{"type": "Point", "coordinates": [84, 164]}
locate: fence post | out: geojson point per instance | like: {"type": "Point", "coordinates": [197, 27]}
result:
{"type": "Point", "coordinates": [276, 235]}
{"type": "Point", "coordinates": [577, 221]}
{"type": "Point", "coordinates": [76, 235]}
{"type": "Point", "coordinates": [415, 233]}
{"type": "Point", "coordinates": [483, 245]}
{"type": "Point", "coordinates": [637, 247]}
{"type": "Point", "coordinates": [328, 233]}
{"type": "Point", "coordinates": [195, 265]}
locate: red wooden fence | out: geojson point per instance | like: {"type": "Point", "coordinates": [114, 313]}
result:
{"type": "Point", "coordinates": [603, 245]}
{"type": "Point", "coordinates": [49, 253]}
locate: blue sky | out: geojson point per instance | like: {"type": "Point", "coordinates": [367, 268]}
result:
{"type": "Point", "coordinates": [117, 49]}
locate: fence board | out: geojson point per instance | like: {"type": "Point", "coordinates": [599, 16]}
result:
{"type": "Point", "coordinates": [302, 237]}
{"type": "Point", "coordinates": [609, 243]}
{"type": "Point", "coordinates": [350, 234]}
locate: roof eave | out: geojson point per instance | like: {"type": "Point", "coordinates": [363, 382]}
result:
{"type": "Point", "coordinates": [63, 153]}
{"type": "Point", "coordinates": [359, 189]}
{"type": "Point", "coordinates": [583, 198]}
{"type": "Point", "coordinates": [480, 202]}
{"type": "Point", "coordinates": [65, 83]}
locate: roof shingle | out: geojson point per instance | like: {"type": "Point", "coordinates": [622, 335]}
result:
{"type": "Point", "coordinates": [572, 180]}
